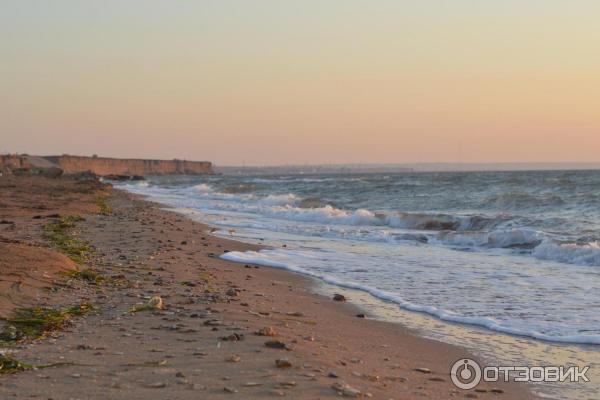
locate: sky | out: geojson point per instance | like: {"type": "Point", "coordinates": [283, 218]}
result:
{"type": "Point", "coordinates": [264, 82]}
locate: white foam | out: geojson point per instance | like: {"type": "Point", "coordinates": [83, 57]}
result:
{"type": "Point", "coordinates": [203, 188]}
{"type": "Point", "coordinates": [273, 258]}
{"type": "Point", "coordinates": [279, 200]}
{"type": "Point", "coordinates": [494, 239]}
{"type": "Point", "coordinates": [570, 253]}
{"type": "Point", "coordinates": [463, 231]}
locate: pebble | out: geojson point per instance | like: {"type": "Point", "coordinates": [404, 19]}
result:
{"type": "Point", "coordinates": [339, 297]}
{"type": "Point", "coordinates": [156, 302]}
{"type": "Point", "coordinates": [423, 370]}
{"type": "Point", "coordinates": [156, 385]}
{"type": "Point", "coordinates": [295, 314]}
{"type": "Point", "coordinates": [346, 390]}
{"type": "Point", "coordinates": [267, 331]}
{"type": "Point", "coordinates": [234, 358]}
{"type": "Point", "coordinates": [283, 363]}
{"type": "Point", "coordinates": [287, 385]}
{"type": "Point", "coordinates": [275, 344]}
{"type": "Point", "coordinates": [227, 389]}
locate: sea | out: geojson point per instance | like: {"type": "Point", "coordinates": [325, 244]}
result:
{"type": "Point", "coordinates": [506, 264]}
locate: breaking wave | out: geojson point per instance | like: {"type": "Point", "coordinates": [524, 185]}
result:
{"type": "Point", "coordinates": [570, 253]}
{"type": "Point", "coordinates": [457, 231]}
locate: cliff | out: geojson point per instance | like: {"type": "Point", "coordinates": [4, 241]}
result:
{"type": "Point", "coordinates": [10, 162]}
{"type": "Point", "coordinates": [116, 166]}
{"type": "Point", "coordinates": [26, 164]}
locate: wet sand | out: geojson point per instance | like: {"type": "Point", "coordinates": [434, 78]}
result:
{"type": "Point", "coordinates": [203, 344]}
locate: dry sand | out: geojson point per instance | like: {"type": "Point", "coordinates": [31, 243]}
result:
{"type": "Point", "coordinates": [202, 344]}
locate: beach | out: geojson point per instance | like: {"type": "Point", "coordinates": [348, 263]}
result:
{"type": "Point", "coordinates": [222, 330]}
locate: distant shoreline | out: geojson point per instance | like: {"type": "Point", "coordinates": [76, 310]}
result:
{"type": "Point", "coordinates": [400, 168]}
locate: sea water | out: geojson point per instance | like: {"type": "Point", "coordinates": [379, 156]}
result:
{"type": "Point", "coordinates": [510, 260]}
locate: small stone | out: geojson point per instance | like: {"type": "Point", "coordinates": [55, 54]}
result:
{"type": "Point", "coordinates": [156, 385]}
{"type": "Point", "coordinates": [287, 385]}
{"type": "Point", "coordinates": [496, 390]}
{"type": "Point", "coordinates": [233, 292]}
{"type": "Point", "coordinates": [234, 337]}
{"type": "Point", "coordinates": [234, 358]}
{"type": "Point", "coordinates": [227, 389]}
{"type": "Point", "coordinates": [295, 314]}
{"type": "Point", "coordinates": [275, 344]}
{"type": "Point", "coordinates": [361, 316]}
{"type": "Point", "coordinates": [423, 370]}
{"type": "Point", "coordinates": [346, 390]}
{"type": "Point", "coordinates": [332, 375]}
{"type": "Point", "coordinates": [252, 384]}
{"type": "Point", "coordinates": [213, 322]}
{"type": "Point", "coordinates": [283, 363]}
{"type": "Point", "coordinates": [267, 331]}
{"type": "Point", "coordinates": [339, 297]}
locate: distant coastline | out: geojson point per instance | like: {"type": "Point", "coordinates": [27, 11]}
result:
{"type": "Point", "coordinates": [399, 168]}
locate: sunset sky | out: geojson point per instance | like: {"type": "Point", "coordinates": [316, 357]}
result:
{"type": "Point", "coordinates": [276, 82]}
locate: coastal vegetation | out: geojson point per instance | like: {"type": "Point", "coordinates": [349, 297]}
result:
{"type": "Point", "coordinates": [88, 275]}
{"type": "Point", "coordinates": [102, 203]}
{"type": "Point", "coordinates": [36, 322]}
{"type": "Point", "coordinates": [61, 235]}
{"type": "Point", "coordinates": [9, 365]}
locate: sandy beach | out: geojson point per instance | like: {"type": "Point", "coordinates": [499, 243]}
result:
{"type": "Point", "coordinates": [172, 320]}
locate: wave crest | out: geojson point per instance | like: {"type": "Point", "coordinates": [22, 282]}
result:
{"type": "Point", "coordinates": [570, 253]}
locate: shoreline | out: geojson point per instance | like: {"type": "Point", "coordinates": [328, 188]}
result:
{"type": "Point", "coordinates": [206, 333]}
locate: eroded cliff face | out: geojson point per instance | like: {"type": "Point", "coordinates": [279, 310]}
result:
{"type": "Point", "coordinates": [115, 166]}
{"type": "Point", "coordinates": [11, 162]}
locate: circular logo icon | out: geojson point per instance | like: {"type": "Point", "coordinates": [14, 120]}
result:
{"type": "Point", "coordinates": [465, 374]}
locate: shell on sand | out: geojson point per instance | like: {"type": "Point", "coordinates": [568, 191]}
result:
{"type": "Point", "coordinates": [156, 302]}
